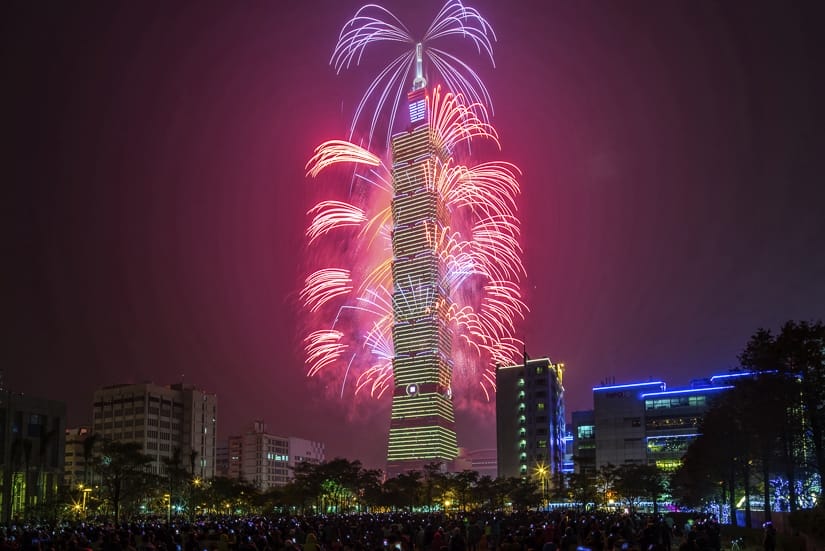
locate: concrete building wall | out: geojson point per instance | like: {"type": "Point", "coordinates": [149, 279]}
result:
{"type": "Point", "coordinates": [265, 460]}
{"type": "Point", "coordinates": [160, 419]}
{"type": "Point", "coordinates": [619, 420]}
{"type": "Point", "coordinates": [74, 465]}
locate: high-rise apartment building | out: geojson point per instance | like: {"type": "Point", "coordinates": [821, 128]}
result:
{"type": "Point", "coordinates": [161, 419]}
{"type": "Point", "coordinates": [422, 425]}
{"type": "Point", "coordinates": [530, 427]}
{"type": "Point", "coordinates": [265, 460]}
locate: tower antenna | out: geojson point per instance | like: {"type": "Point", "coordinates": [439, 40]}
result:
{"type": "Point", "coordinates": [419, 82]}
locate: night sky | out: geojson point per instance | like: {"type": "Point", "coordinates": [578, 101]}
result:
{"type": "Point", "coordinates": [155, 198]}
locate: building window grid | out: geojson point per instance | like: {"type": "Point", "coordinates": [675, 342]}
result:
{"type": "Point", "coordinates": [675, 402]}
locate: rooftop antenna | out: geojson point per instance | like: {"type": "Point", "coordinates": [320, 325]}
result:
{"type": "Point", "coordinates": [419, 82]}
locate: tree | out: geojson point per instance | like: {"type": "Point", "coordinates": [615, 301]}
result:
{"type": "Point", "coordinates": [794, 359]}
{"type": "Point", "coordinates": [44, 491]}
{"type": "Point", "coordinates": [176, 476]}
{"type": "Point", "coordinates": [227, 495]}
{"type": "Point", "coordinates": [770, 407]}
{"type": "Point", "coordinates": [369, 487]}
{"type": "Point", "coordinates": [404, 490]}
{"type": "Point", "coordinates": [524, 494]}
{"type": "Point", "coordinates": [122, 468]}
{"type": "Point", "coordinates": [802, 349]}
{"type": "Point", "coordinates": [463, 484]}
{"type": "Point", "coordinates": [340, 482]}
{"type": "Point", "coordinates": [700, 478]}
{"type": "Point", "coordinates": [21, 450]}
{"type": "Point", "coordinates": [89, 444]}
{"type": "Point", "coordinates": [581, 488]}
{"type": "Point", "coordinates": [484, 493]}
{"type": "Point", "coordinates": [606, 477]}
{"type": "Point", "coordinates": [636, 482]}
{"type": "Point", "coordinates": [770, 424]}
{"type": "Point", "coordinates": [435, 483]}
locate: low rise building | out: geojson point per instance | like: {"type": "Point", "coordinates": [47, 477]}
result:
{"type": "Point", "coordinates": [647, 423]}
{"type": "Point", "coordinates": [266, 460]}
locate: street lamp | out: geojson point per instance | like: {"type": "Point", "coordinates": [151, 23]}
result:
{"type": "Point", "coordinates": [168, 499]}
{"type": "Point", "coordinates": [85, 491]}
{"type": "Point", "coordinates": [542, 472]}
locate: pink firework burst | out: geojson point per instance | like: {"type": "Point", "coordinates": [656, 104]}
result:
{"type": "Point", "coordinates": [347, 296]}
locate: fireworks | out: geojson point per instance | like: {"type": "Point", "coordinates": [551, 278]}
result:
{"type": "Point", "coordinates": [348, 298]}
{"type": "Point", "coordinates": [373, 24]}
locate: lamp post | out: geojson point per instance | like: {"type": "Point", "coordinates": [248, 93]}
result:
{"type": "Point", "coordinates": [542, 472]}
{"type": "Point", "coordinates": [168, 499]}
{"type": "Point", "coordinates": [85, 497]}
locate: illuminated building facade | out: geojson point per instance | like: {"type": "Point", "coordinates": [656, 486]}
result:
{"type": "Point", "coordinates": [530, 427]}
{"type": "Point", "coordinates": [161, 419]}
{"type": "Point", "coordinates": [265, 460]}
{"type": "Point", "coordinates": [645, 423]}
{"type": "Point", "coordinates": [584, 442]}
{"type": "Point", "coordinates": [32, 447]}
{"type": "Point", "coordinates": [422, 425]}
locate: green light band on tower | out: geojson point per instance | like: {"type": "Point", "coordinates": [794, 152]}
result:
{"type": "Point", "coordinates": [422, 421]}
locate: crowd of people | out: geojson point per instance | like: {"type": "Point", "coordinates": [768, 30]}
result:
{"type": "Point", "coordinates": [536, 531]}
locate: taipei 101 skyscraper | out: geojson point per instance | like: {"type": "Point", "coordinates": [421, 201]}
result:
{"type": "Point", "coordinates": [413, 287]}
{"type": "Point", "coordinates": [422, 422]}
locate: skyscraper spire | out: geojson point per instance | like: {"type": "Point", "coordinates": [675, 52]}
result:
{"type": "Point", "coordinates": [419, 82]}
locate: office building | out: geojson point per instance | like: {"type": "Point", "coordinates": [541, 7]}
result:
{"type": "Point", "coordinates": [646, 423]}
{"type": "Point", "coordinates": [619, 422]}
{"type": "Point", "coordinates": [530, 426]}
{"type": "Point", "coordinates": [161, 419]}
{"type": "Point", "coordinates": [583, 446]}
{"type": "Point", "coordinates": [422, 423]}
{"type": "Point", "coordinates": [32, 444]}
{"type": "Point", "coordinates": [265, 460]}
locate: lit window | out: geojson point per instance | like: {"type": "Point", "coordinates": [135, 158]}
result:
{"type": "Point", "coordinates": [585, 431]}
